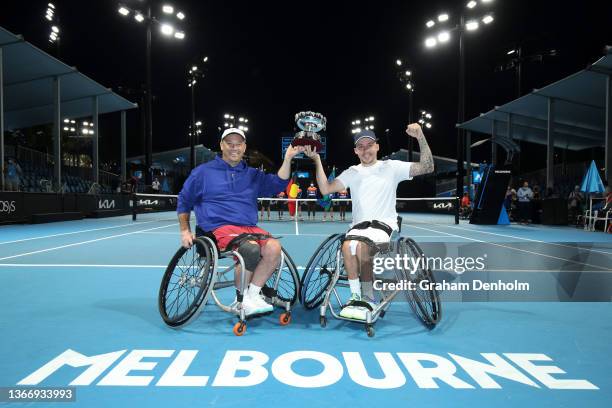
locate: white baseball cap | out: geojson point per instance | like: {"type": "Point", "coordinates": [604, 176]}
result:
{"type": "Point", "coordinates": [231, 131]}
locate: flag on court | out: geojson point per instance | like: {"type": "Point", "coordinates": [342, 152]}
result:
{"type": "Point", "coordinates": [326, 200]}
{"type": "Point", "coordinates": [592, 182]}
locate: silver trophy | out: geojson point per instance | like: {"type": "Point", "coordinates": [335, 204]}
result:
{"type": "Point", "coordinates": [310, 123]}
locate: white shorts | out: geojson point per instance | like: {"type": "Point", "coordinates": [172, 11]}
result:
{"type": "Point", "coordinates": [376, 235]}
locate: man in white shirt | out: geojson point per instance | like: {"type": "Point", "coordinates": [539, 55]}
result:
{"type": "Point", "coordinates": [373, 185]}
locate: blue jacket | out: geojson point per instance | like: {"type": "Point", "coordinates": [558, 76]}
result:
{"type": "Point", "coordinates": [224, 195]}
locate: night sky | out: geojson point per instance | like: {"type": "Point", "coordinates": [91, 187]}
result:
{"type": "Point", "coordinates": [269, 60]}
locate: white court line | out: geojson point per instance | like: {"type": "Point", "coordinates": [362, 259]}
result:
{"type": "Point", "coordinates": [81, 266]}
{"type": "Point", "coordinates": [509, 247]}
{"type": "Point", "coordinates": [529, 239]}
{"type": "Point", "coordinates": [80, 243]}
{"type": "Point", "coordinates": [74, 232]}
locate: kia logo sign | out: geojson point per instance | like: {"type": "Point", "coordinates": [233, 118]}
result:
{"type": "Point", "coordinates": [7, 207]}
{"type": "Point", "coordinates": [106, 204]}
{"type": "Point", "coordinates": [443, 206]}
{"type": "Point", "coordinates": [148, 202]}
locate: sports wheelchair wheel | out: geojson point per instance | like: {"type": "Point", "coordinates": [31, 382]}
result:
{"type": "Point", "coordinates": [186, 283]}
{"type": "Point", "coordinates": [319, 271]}
{"type": "Point", "coordinates": [288, 284]}
{"type": "Point", "coordinates": [425, 303]}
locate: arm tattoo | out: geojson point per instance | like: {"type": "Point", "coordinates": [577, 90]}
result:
{"type": "Point", "coordinates": [426, 164]}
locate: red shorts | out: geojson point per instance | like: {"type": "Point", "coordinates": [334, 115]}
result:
{"type": "Point", "coordinates": [226, 233]}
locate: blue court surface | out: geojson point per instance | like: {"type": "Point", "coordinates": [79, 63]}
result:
{"type": "Point", "coordinates": [78, 307]}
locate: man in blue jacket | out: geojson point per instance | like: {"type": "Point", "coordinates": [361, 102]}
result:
{"type": "Point", "coordinates": [223, 194]}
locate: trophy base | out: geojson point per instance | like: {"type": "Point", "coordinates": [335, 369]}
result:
{"type": "Point", "coordinates": [308, 139]}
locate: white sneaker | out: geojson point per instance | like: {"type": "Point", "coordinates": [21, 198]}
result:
{"type": "Point", "coordinates": [255, 305]}
{"type": "Point", "coordinates": [349, 310]}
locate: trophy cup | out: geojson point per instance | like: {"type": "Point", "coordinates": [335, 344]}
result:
{"type": "Point", "coordinates": [309, 123]}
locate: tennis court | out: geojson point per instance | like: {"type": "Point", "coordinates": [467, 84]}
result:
{"type": "Point", "coordinates": [91, 286]}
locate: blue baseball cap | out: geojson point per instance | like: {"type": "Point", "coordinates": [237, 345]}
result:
{"type": "Point", "coordinates": [364, 133]}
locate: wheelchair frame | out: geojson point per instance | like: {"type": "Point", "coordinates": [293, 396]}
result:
{"type": "Point", "coordinates": [341, 280]}
{"type": "Point", "coordinates": [218, 281]}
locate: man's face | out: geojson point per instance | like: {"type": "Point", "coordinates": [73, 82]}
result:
{"type": "Point", "coordinates": [366, 149]}
{"type": "Point", "coordinates": [526, 184]}
{"type": "Point", "coordinates": [233, 147]}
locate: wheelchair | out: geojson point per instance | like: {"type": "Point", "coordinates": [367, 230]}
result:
{"type": "Point", "coordinates": [325, 273]}
{"type": "Point", "coordinates": [195, 275]}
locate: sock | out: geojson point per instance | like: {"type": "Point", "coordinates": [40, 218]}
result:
{"type": "Point", "coordinates": [368, 290]}
{"type": "Point", "coordinates": [355, 286]}
{"type": "Point", "coordinates": [253, 290]}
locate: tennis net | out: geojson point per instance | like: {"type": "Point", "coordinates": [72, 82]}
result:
{"type": "Point", "coordinates": [429, 210]}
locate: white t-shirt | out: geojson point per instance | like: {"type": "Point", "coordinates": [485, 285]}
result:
{"type": "Point", "coordinates": [374, 189]}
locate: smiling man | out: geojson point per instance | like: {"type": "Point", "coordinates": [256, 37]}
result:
{"type": "Point", "coordinates": [223, 194]}
{"type": "Point", "coordinates": [373, 184]}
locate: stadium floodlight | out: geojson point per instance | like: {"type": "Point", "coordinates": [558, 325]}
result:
{"type": "Point", "coordinates": [486, 1]}
{"type": "Point", "coordinates": [358, 122]}
{"type": "Point", "coordinates": [199, 123]}
{"type": "Point", "coordinates": [51, 5]}
{"type": "Point", "coordinates": [487, 19]}
{"type": "Point", "coordinates": [179, 35]}
{"type": "Point", "coordinates": [443, 17]}
{"type": "Point", "coordinates": [205, 59]}
{"type": "Point", "coordinates": [371, 117]}
{"type": "Point", "coordinates": [180, 15]}
{"type": "Point", "coordinates": [194, 68]}
{"type": "Point", "coordinates": [409, 86]}
{"type": "Point", "coordinates": [241, 119]}
{"type": "Point", "coordinates": [139, 17]}
{"type": "Point", "coordinates": [471, 4]}
{"type": "Point", "coordinates": [124, 11]}
{"type": "Point", "coordinates": [430, 24]}
{"type": "Point", "coordinates": [226, 116]}
{"type": "Point", "coordinates": [246, 129]}
{"type": "Point", "coordinates": [85, 123]}
{"type": "Point", "coordinates": [428, 125]}
{"type": "Point", "coordinates": [226, 124]}
{"type": "Point", "coordinates": [84, 131]}
{"type": "Point", "coordinates": [55, 29]}
{"type": "Point", "coordinates": [408, 73]}
{"type": "Point", "coordinates": [73, 121]}
{"type": "Point", "coordinates": [431, 42]}
{"type": "Point", "coordinates": [72, 129]}
{"type": "Point", "coordinates": [168, 9]}
{"type": "Point", "coordinates": [444, 36]}
{"type": "Point", "coordinates": [167, 29]}
{"type": "Point", "coordinates": [471, 25]}
{"type": "Point", "coordinates": [511, 52]}
{"type": "Point", "coordinates": [66, 120]}
{"type": "Point", "coordinates": [398, 62]}
{"type": "Point", "coordinates": [48, 17]}
{"type": "Point", "coordinates": [66, 128]}
{"type": "Point", "coordinates": [428, 115]}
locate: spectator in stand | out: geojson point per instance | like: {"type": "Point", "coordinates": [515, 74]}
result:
{"type": "Point", "coordinates": [575, 201]}
{"type": "Point", "coordinates": [524, 195]}
{"type": "Point", "coordinates": [155, 185]}
{"type": "Point", "coordinates": [13, 174]}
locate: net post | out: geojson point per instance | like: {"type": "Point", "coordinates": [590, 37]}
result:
{"type": "Point", "coordinates": [134, 206]}
{"type": "Point", "coordinates": [457, 208]}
